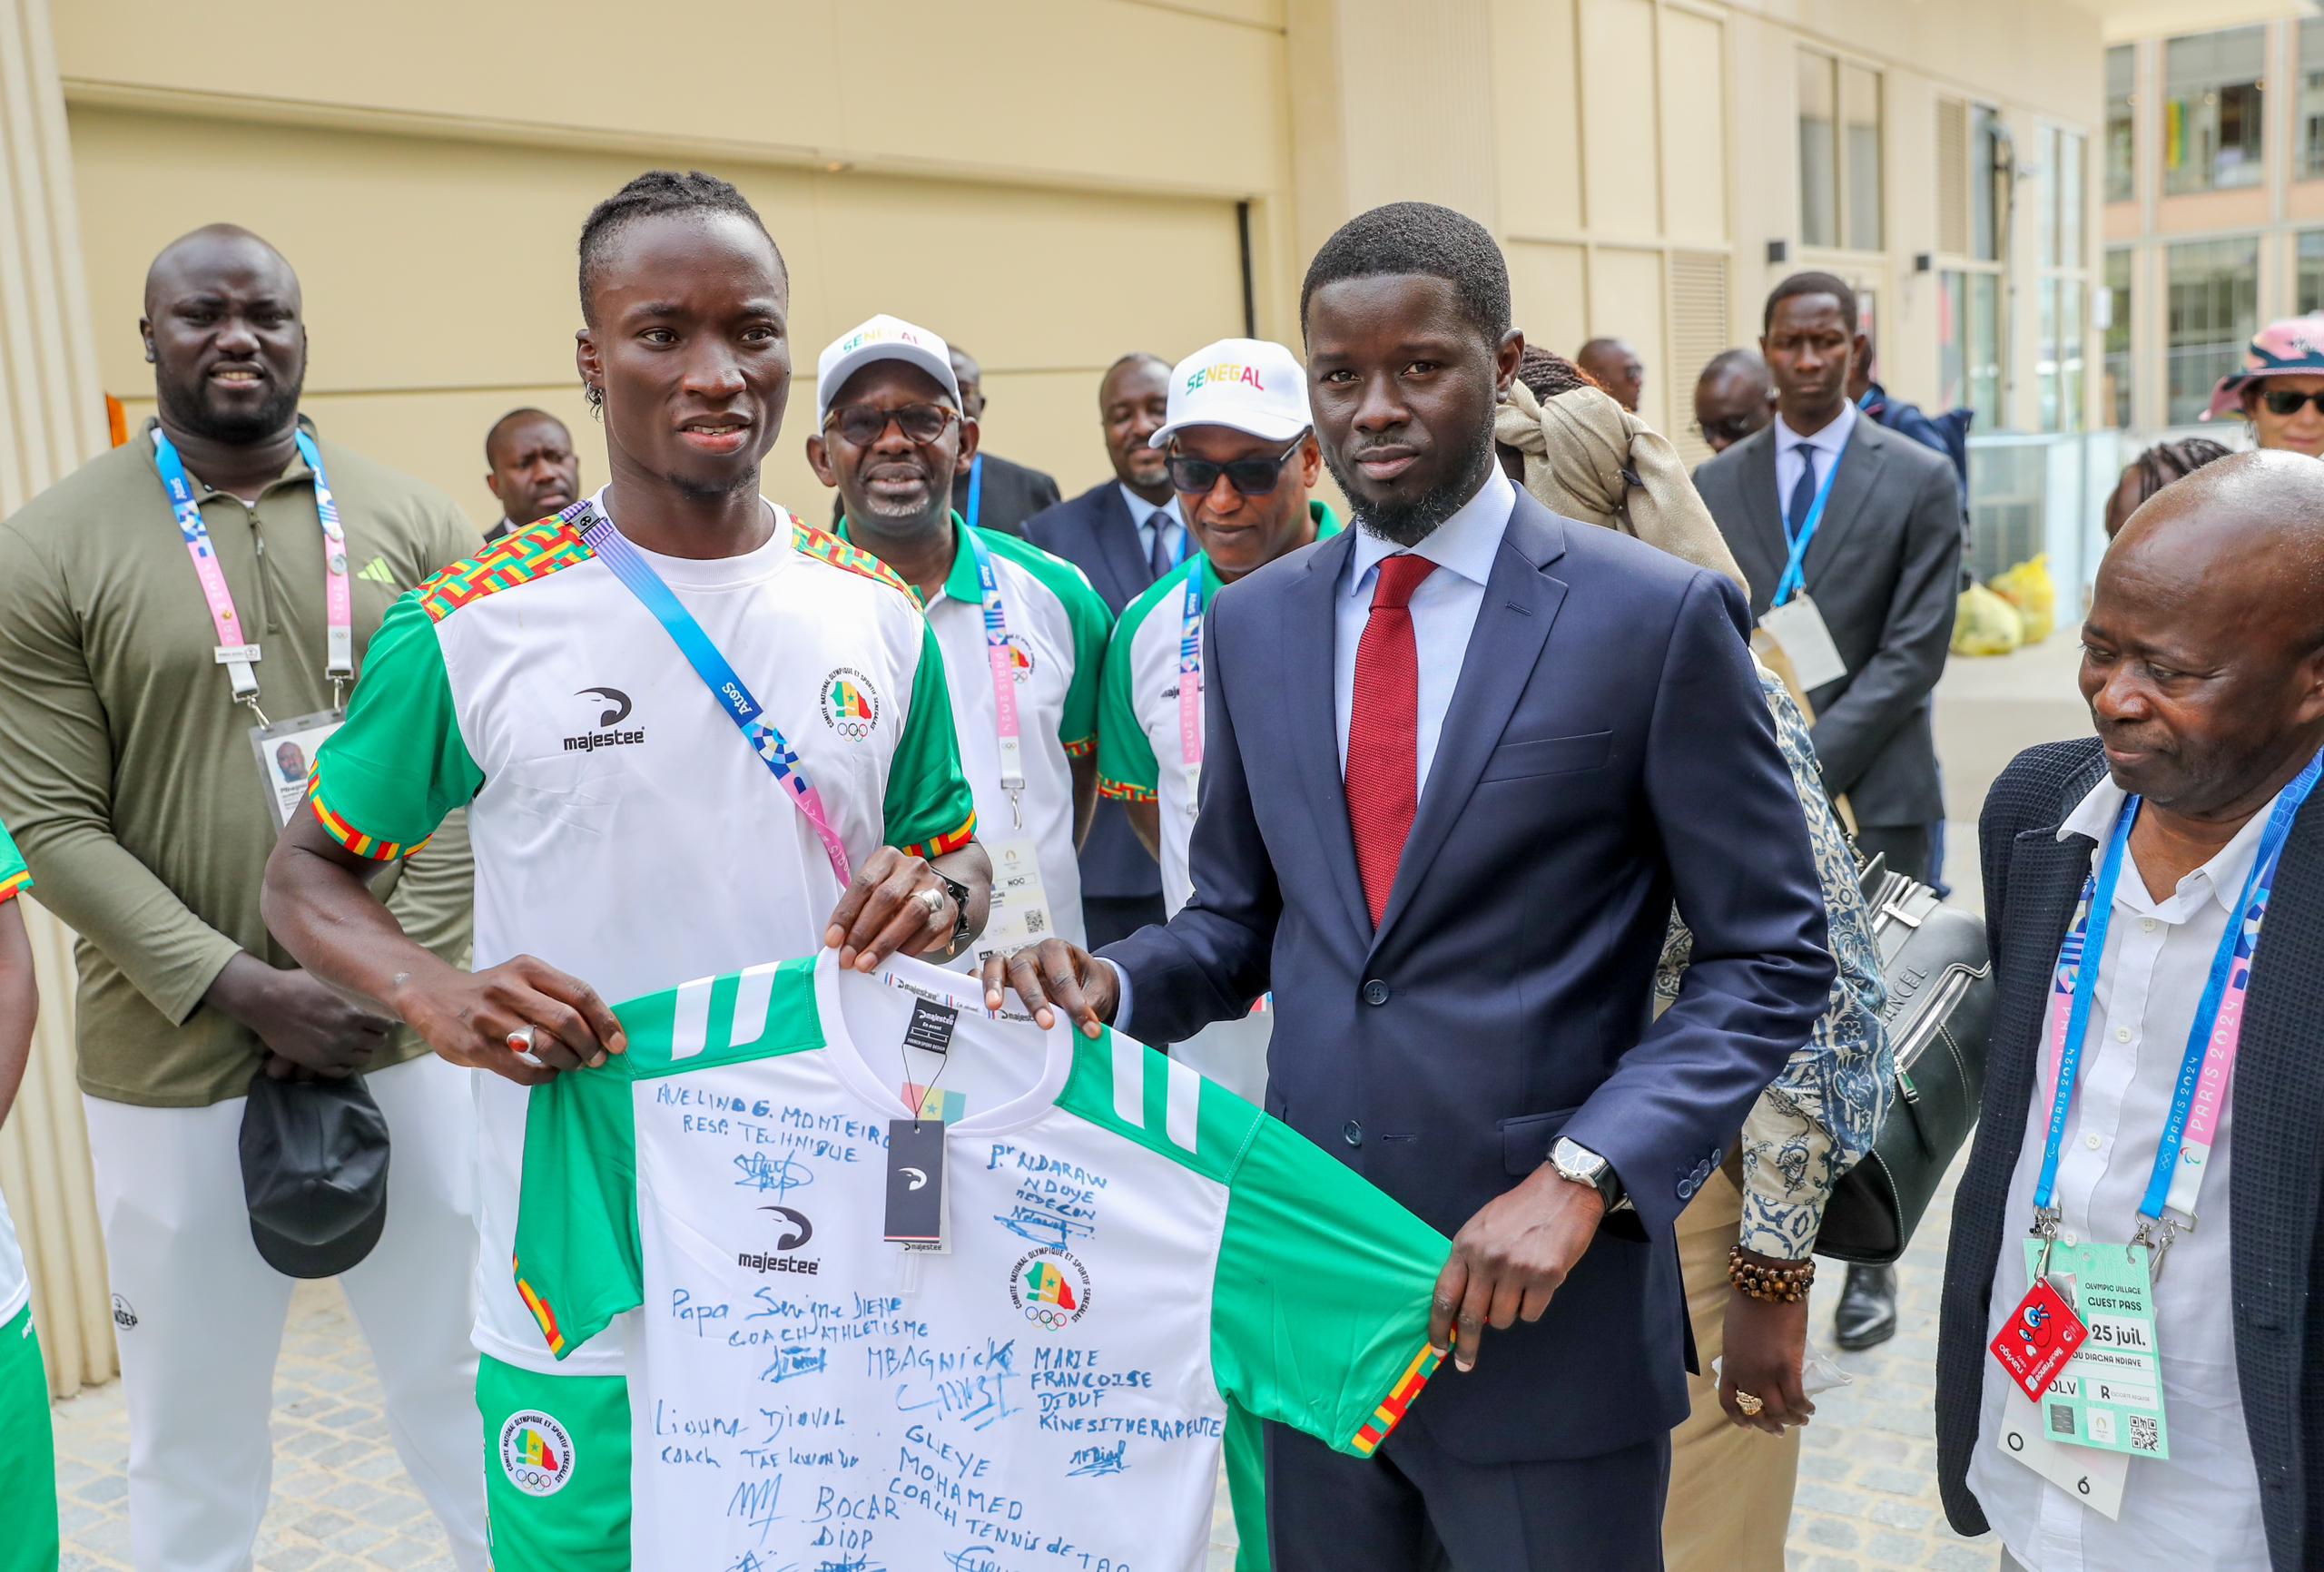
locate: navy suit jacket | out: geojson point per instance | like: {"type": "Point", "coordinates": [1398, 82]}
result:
{"type": "Point", "coordinates": [1607, 747]}
{"type": "Point", "coordinates": [1095, 532]}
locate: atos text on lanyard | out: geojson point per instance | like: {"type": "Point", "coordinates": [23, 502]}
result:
{"type": "Point", "coordinates": [1002, 661]}
{"type": "Point", "coordinates": [1190, 685]}
{"type": "Point", "coordinates": [235, 652]}
{"type": "Point", "coordinates": [725, 684]}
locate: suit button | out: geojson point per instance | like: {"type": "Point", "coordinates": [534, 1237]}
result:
{"type": "Point", "coordinates": [1375, 992]}
{"type": "Point", "coordinates": [1686, 1189]}
{"type": "Point", "coordinates": [1353, 1131]}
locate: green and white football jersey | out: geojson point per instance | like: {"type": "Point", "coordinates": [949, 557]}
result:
{"type": "Point", "coordinates": [1128, 1248]}
{"type": "Point", "coordinates": [15, 1288]}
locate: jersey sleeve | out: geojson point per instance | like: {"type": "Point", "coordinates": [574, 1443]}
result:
{"type": "Point", "coordinates": [15, 878]}
{"type": "Point", "coordinates": [577, 1260]}
{"type": "Point", "coordinates": [929, 810]}
{"type": "Point", "coordinates": [1320, 1310]}
{"type": "Point", "coordinates": [1077, 724]}
{"type": "Point", "coordinates": [386, 780]}
{"type": "Point", "coordinates": [1125, 764]}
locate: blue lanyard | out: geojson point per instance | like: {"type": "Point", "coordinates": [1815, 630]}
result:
{"type": "Point", "coordinates": [2098, 893]}
{"type": "Point", "coordinates": [976, 488]}
{"type": "Point", "coordinates": [725, 684]}
{"type": "Point", "coordinates": [1795, 581]}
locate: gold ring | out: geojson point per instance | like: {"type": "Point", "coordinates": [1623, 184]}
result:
{"type": "Point", "coordinates": [1749, 1404]}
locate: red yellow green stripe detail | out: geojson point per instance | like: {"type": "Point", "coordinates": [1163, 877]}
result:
{"type": "Point", "coordinates": [825, 546]}
{"type": "Point", "coordinates": [938, 845]}
{"type": "Point", "coordinates": [1391, 1412]}
{"type": "Point", "coordinates": [346, 834]}
{"type": "Point", "coordinates": [1084, 748]}
{"type": "Point", "coordinates": [1124, 791]}
{"type": "Point", "coordinates": [12, 884]}
{"type": "Point", "coordinates": [520, 557]}
{"type": "Point", "coordinates": [542, 1314]}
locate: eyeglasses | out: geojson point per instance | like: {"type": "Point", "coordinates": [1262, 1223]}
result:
{"type": "Point", "coordinates": [2284, 401]}
{"type": "Point", "coordinates": [1730, 428]}
{"type": "Point", "coordinates": [860, 426]}
{"type": "Point", "coordinates": [1251, 476]}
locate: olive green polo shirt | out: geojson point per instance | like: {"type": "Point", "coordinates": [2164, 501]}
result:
{"type": "Point", "coordinates": [126, 765]}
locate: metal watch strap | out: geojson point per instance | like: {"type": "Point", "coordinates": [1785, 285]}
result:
{"type": "Point", "coordinates": [960, 894]}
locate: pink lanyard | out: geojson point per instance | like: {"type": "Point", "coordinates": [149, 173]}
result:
{"type": "Point", "coordinates": [234, 652]}
{"type": "Point", "coordinates": [1190, 685]}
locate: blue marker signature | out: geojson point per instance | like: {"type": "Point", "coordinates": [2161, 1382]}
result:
{"type": "Point", "coordinates": [776, 1175]}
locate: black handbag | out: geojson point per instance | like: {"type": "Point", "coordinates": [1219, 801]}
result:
{"type": "Point", "coordinates": [1940, 1016]}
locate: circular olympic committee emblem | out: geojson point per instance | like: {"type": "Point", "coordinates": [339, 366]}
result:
{"type": "Point", "coordinates": [535, 1453]}
{"type": "Point", "coordinates": [849, 706]}
{"type": "Point", "coordinates": [1050, 1288]}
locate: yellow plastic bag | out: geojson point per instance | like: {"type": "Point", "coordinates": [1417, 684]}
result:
{"type": "Point", "coordinates": [2029, 588]}
{"type": "Point", "coordinates": [1983, 624]}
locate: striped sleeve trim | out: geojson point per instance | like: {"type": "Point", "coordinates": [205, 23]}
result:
{"type": "Point", "coordinates": [1083, 749]}
{"type": "Point", "coordinates": [542, 1314]}
{"type": "Point", "coordinates": [826, 547]}
{"type": "Point", "coordinates": [1391, 1412]}
{"type": "Point", "coordinates": [1124, 791]}
{"type": "Point", "coordinates": [519, 558]}
{"type": "Point", "coordinates": [346, 834]}
{"type": "Point", "coordinates": [12, 885]}
{"type": "Point", "coordinates": [938, 846]}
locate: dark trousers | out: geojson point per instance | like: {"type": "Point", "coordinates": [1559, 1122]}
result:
{"type": "Point", "coordinates": [1415, 1506]}
{"type": "Point", "coordinates": [1109, 918]}
{"type": "Point", "coordinates": [1906, 847]}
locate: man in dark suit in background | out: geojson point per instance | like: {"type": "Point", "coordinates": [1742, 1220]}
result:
{"type": "Point", "coordinates": [1123, 533]}
{"type": "Point", "coordinates": [2204, 666]}
{"type": "Point", "coordinates": [995, 493]}
{"type": "Point", "coordinates": [1853, 533]}
{"type": "Point", "coordinates": [1458, 762]}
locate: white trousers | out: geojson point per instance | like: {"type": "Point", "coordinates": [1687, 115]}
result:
{"type": "Point", "coordinates": [199, 1316]}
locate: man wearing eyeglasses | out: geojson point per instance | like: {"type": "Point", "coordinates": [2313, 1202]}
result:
{"type": "Point", "coordinates": [1242, 459]}
{"type": "Point", "coordinates": [1734, 397]}
{"type": "Point", "coordinates": [890, 437]}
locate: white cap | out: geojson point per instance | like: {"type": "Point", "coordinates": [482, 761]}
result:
{"type": "Point", "coordinates": [884, 337]}
{"type": "Point", "coordinates": [1247, 383]}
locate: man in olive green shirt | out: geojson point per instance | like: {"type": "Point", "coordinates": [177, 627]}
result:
{"type": "Point", "coordinates": [140, 804]}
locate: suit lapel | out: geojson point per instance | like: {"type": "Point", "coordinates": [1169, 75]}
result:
{"type": "Point", "coordinates": [2045, 879]}
{"type": "Point", "coordinates": [1860, 465]}
{"type": "Point", "coordinates": [1117, 539]}
{"type": "Point", "coordinates": [1761, 511]}
{"type": "Point", "coordinates": [1520, 602]}
{"type": "Point", "coordinates": [1307, 671]}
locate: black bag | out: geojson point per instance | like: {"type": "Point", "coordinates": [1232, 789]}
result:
{"type": "Point", "coordinates": [1940, 1016]}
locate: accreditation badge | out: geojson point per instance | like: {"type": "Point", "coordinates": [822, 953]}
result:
{"type": "Point", "coordinates": [285, 753]}
{"type": "Point", "coordinates": [1020, 914]}
{"type": "Point", "coordinates": [1799, 628]}
{"type": "Point", "coordinates": [2109, 1395]}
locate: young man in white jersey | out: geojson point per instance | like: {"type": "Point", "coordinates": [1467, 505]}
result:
{"type": "Point", "coordinates": [890, 436]}
{"type": "Point", "coordinates": [28, 1448]}
{"type": "Point", "coordinates": [687, 723]}
{"type": "Point", "coordinates": [1243, 460]}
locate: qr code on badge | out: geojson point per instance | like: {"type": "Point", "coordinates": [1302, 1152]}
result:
{"type": "Point", "coordinates": [2146, 1436]}
{"type": "Point", "coordinates": [2061, 1419]}
{"type": "Point", "coordinates": [1035, 921]}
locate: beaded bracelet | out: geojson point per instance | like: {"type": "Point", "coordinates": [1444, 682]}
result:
{"type": "Point", "coordinates": [1769, 1284]}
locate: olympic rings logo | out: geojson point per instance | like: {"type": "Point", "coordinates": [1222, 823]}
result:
{"type": "Point", "coordinates": [1044, 1315]}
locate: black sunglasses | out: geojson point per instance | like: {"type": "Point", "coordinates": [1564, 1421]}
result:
{"type": "Point", "coordinates": [2284, 401]}
{"type": "Point", "coordinates": [1728, 427]}
{"type": "Point", "coordinates": [1251, 476]}
{"type": "Point", "coordinates": [861, 426]}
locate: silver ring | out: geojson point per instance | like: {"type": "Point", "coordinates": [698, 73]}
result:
{"type": "Point", "coordinates": [521, 1041]}
{"type": "Point", "coordinates": [934, 900]}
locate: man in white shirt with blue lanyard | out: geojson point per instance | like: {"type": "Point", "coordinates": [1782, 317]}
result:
{"type": "Point", "coordinates": [2128, 1347]}
{"type": "Point", "coordinates": [1022, 633]}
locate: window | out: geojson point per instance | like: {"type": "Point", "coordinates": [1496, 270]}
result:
{"type": "Point", "coordinates": [2212, 121]}
{"type": "Point", "coordinates": [1985, 175]}
{"type": "Point", "coordinates": [2212, 309]}
{"type": "Point", "coordinates": [1970, 347]}
{"type": "Point", "coordinates": [2122, 123]}
{"type": "Point", "coordinates": [2311, 100]}
{"type": "Point", "coordinates": [2309, 283]}
{"type": "Point", "coordinates": [1840, 154]}
{"type": "Point", "coordinates": [2065, 283]}
{"type": "Point", "coordinates": [2117, 389]}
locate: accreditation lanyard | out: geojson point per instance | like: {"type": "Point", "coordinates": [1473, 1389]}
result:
{"type": "Point", "coordinates": [1794, 579]}
{"type": "Point", "coordinates": [976, 488]}
{"type": "Point", "coordinates": [1190, 684]}
{"type": "Point", "coordinates": [234, 651]}
{"type": "Point", "coordinates": [2212, 1042]}
{"type": "Point", "coordinates": [1004, 680]}
{"type": "Point", "coordinates": [766, 740]}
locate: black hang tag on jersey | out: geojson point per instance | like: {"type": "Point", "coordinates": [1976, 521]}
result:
{"type": "Point", "coordinates": [930, 1028]}
{"type": "Point", "coordinates": [916, 1181]}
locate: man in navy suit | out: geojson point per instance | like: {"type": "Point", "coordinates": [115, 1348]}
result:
{"type": "Point", "coordinates": [1123, 534]}
{"type": "Point", "coordinates": [1458, 763]}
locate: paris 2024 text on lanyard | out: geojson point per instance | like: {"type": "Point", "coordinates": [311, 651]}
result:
{"type": "Point", "coordinates": [1019, 914]}
{"type": "Point", "coordinates": [2081, 1346]}
{"type": "Point", "coordinates": [285, 750]}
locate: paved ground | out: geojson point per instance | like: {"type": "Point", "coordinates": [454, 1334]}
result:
{"type": "Point", "coordinates": [1867, 1491]}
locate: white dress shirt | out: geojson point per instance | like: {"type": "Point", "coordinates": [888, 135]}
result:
{"type": "Point", "coordinates": [1827, 444]}
{"type": "Point", "coordinates": [1150, 516]}
{"type": "Point", "coordinates": [2198, 1511]}
{"type": "Point", "coordinates": [1444, 607]}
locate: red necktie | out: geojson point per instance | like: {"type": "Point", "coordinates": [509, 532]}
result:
{"type": "Point", "coordinates": [1383, 730]}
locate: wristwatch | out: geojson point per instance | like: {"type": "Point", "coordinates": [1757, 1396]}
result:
{"type": "Point", "coordinates": [1574, 1160]}
{"type": "Point", "coordinates": [960, 894]}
